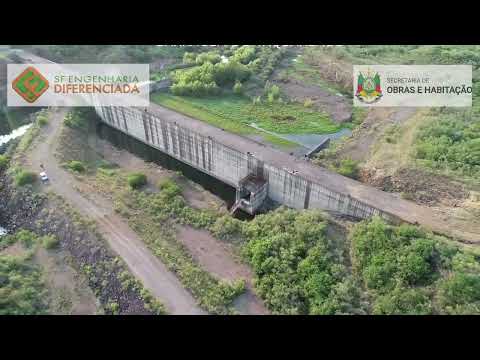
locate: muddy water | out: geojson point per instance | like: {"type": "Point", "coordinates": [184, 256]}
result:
{"type": "Point", "coordinates": [311, 141]}
{"type": "Point", "coordinates": [148, 153]}
{"type": "Point", "coordinates": [307, 141]}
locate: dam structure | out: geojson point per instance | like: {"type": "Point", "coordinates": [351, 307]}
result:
{"type": "Point", "coordinates": [255, 170]}
{"type": "Point", "coordinates": [258, 171]}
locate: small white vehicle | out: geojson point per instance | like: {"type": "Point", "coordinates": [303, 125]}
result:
{"type": "Point", "coordinates": [43, 176]}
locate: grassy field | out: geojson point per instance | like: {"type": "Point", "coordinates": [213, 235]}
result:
{"type": "Point", "coordinates": [236, 113]}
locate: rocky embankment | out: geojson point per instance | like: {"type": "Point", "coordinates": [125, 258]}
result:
{"type": "Point", "coordinates": [18, 207]}
{"type": "Point", "coordinates": [108, 276]}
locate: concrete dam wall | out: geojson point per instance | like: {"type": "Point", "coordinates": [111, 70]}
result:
{"type": "Point", "coordinates": [169, 133]}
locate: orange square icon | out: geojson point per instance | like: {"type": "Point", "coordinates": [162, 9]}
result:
{"type": "Point", "coordinates": [30, 84]}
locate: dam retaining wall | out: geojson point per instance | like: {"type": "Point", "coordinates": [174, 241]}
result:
{"type": "Point", "coordinates": [231, 165]}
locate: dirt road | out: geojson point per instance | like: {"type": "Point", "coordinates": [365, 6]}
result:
{"type": "Point", "coordinates": [214, 256]}
{"type": "Point", "coordinates": [147, 268]}
{"type": "Point", "coordinates": [377, 121]}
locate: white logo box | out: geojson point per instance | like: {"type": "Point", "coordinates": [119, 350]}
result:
{"type": "Point", "coordinates": [418, 85]}
{"type": "Point", "coordinates": [101, 85]}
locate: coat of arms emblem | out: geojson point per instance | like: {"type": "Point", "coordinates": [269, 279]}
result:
{"type": "Point", "coordinates": [368, 88]}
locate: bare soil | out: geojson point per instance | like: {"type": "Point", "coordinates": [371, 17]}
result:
{"type": "Point", "coordinates": [332, 69]}
{"type": "Point", "coordinates": [13, 250]}
{"type": "Point", "coordinates": [359, 145]}
{"type": "Point", "coordinates": [338, 107]}
{"type": "Point", "coordinates": [218, 258]}
{"type": "Point", "coordinates": [194, 194]}
{"type": "Point", "coordinates": [69, 290]}
{"type": "Point", "coordinates": [419, 186]}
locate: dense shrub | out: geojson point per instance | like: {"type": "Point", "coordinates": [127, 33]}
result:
{"type": "Point", "coordinates": [113, 308]}
{"type": "Point", "coordinates": [297, 269]}
{"type": "Point", "coordinates": [408, 271]}
{"type": "Point", "coordinates": [136, 180]}
{"type": "Point", "coordinates": [26, 238]}
{"type": "Point", "coordinates": [77, 118]}
{"type": "Point", "coordinates": [244, 54]}
{"type": "Point", "coordinates": [189, 58]}
{"type": "Point", "coordinates": [206, 79]}
{"type": "Point", "coordinates": [230, 72]}
{"type": "Point", "coordinates": [450, 143]}
{"type": "Point", "coordinates": [211, 57]}
{"type": "Point", "coordinates": [403, 301]}
{"type": "Point", "coordinates": [103, 54]}
{"type": "Point", "coordinates": [169, 188]}
{"type": "Point", "coordinates": [226, 227]}
{"type": "Point", "coordinates": [348, 168]}
{"type": "Point", "coordinates": [272, 92]}
{"type": "Point", "coordinates": [76, 166]}
{"type": "Point", "coordinates": [460, 293]}
{"type": "Point", "coordinates": [24, 177]}
{"type": "Point", "coordinates": [388, 255]}
{"type": "Point", "coordinates": [198, 81]}
{"type": "Point", "coordinates": [22, 290]}
{"type": "Point", "coordinates": [419, 54]}
{"type": "Point", "coordinates": [267, 58]}
{"type": "Point", "coordinates": [50, 241]}
{"type": "Point", "coordinates": [42, 120]}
